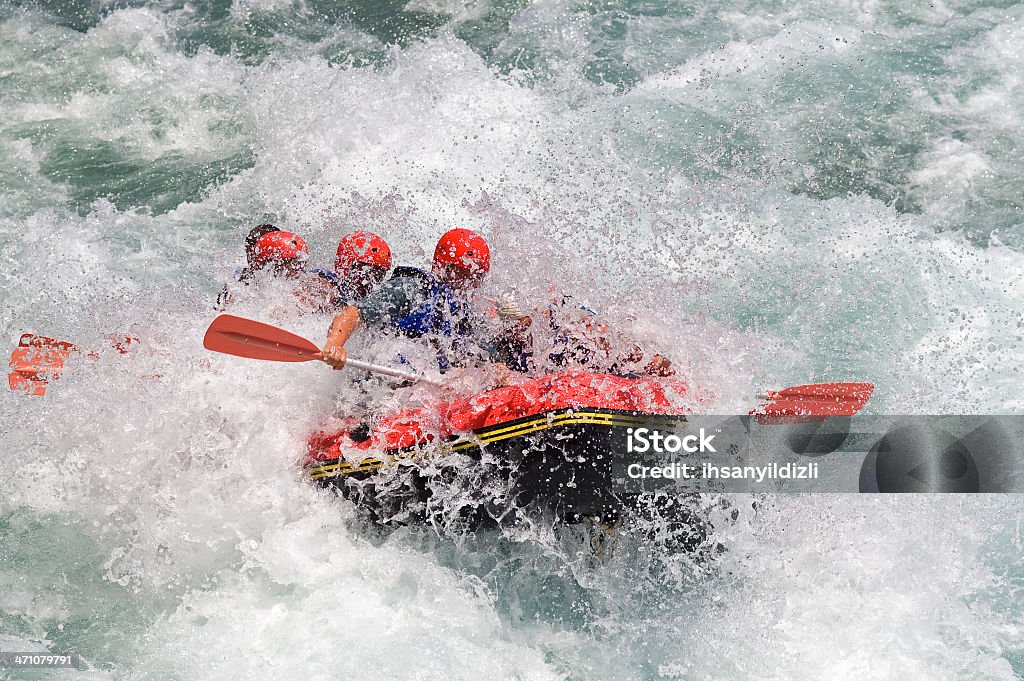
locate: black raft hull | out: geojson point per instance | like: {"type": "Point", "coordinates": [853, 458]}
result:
{"type": "Point", "coordinates": [557, 464]}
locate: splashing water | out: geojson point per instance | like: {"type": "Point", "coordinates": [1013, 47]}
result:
{"type": "Point", "coordinates": [769, 194]}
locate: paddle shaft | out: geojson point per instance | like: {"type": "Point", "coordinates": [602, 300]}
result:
{"type": "Point", "coordinates": [249, 338]}
{"type": "Point", "coordinates": [387, 371]}
{"type": "Point", "coordinates": [354, 363]}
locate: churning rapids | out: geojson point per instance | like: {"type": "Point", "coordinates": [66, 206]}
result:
{"type": "Point", "coordinates": [770, 193]}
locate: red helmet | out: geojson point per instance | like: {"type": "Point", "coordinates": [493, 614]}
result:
{"type": "Point", "coordinates": [279, 246]}
{"type": "Point", "coordinates": [364, 247]}
{"type": "Point", "coordinates": [463, 248]}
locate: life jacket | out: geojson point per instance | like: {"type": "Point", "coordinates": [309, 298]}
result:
{"type": "Point", "coordinates": [441, 315]}
{"type": "Point", "coordinates": [437, 314]}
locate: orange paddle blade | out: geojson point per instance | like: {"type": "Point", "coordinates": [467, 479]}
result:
{"type": "Point", "coordinates": [28, 384]}
{"type": "Point", "coordinates": [248, 338]}
{"type": "Point", "coordinates": [816, 400]}
{"type": "Point", "coordinates": [40, 354]}
{"type": "Point", "coordinates": [36, 360]}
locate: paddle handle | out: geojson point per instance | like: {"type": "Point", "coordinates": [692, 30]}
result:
{"type": "Point", "coordinates": [388, 371]}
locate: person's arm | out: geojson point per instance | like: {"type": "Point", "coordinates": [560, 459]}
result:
{"type": "Point", "coordinates": [385, 304]}
{"type": "Point", "coordinates": [229, 293]}
{"type": "Point", "coordinates": [342, 328]}
{"type": "Point", "coordinates": [659, 366]}
{"type": "Point", "coordinates": [225, 298]}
